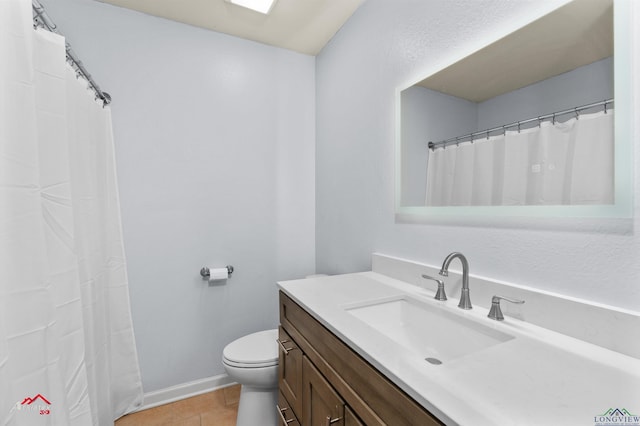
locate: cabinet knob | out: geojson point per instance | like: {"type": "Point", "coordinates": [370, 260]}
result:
{"type": "Point", "coordinates": [286, 350]}
{"type": "Point", "coordinates": [282, 417]}
{"type": "Point", "coordinates": [331, 421]}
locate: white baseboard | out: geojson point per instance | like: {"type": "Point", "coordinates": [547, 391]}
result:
{"type": "Point", "coordinates": [184, 390]}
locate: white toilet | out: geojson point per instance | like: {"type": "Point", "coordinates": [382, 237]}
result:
{"type": "Point", "coordinates": [252, 361]}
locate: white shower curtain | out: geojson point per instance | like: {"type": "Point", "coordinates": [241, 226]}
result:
{"type": "Point", "coordinates": [551, 164]}
{"type": "Point", "coordinates": [67, 350]}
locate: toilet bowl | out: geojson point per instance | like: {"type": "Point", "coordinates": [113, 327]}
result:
{"type": "Point", "coordinates": [252, 361]}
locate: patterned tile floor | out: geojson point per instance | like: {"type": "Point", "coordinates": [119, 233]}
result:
{"type": "Point", "coordinates": [218, 408]}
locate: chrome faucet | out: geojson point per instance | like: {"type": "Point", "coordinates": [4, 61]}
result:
{"type": "Point", "coordinates": [465, 301]}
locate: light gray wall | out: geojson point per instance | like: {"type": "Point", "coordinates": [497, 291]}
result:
{"type": "Point", "coordinates": [387, 45]}
{"type": "Point", "coordinates": [428, 115]}
{"type": "Point", "coordinates": [215, 150]}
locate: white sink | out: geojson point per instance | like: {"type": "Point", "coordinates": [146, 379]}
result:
{"type": "Point", "coordinates": [432, 332]}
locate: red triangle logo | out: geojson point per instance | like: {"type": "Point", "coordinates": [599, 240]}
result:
{"type": "Point", "coordinates": [29, 401]}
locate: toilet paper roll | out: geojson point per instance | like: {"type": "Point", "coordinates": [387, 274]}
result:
{"type": "Point", "coordinates": [217, 274]}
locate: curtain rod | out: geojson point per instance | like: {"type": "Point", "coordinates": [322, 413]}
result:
{"type": "Point", "coordinates": [42, 20]}
{"type": "Point", "coordinates": [456, 140]}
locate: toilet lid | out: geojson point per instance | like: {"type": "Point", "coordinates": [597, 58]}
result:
{"type": "Point", "coordinates": [253, 350]}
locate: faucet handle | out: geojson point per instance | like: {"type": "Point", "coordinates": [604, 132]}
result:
{"type": "Point", "coordinates": [440, 294]}
{"type": "Point", "coordinates": [495, 312]}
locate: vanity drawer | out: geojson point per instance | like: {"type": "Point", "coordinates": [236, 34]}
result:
{"type": "Point", "coordinates": [371, 396]}
{"type": "Point", "coordinates": [286, 416]}
{"type": "Point", "coordinates": [290, 371]}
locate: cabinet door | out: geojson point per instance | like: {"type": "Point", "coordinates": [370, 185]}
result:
{"type": "Point", "coordinates": [286, 416]}
{"type": "Point", "coordinates": [321, 406]}
{"type": "Point", "coordinates": [290, 371]}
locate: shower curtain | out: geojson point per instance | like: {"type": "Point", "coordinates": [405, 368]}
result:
{"type": "Point", "coordinates": [565, 163]}
{"type": "Point", "coordinates": [67, 350]}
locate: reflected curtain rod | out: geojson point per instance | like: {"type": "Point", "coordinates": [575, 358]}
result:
{"type": "Point", "coordinates": [42, 20]}
{"type": "Point", "coordinates": [456, 140]}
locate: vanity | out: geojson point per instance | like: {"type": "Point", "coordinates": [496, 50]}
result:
{"type": "Point", "coordinates": [376, 348]}
{"type": "Point", "coordinates": [323, 381]}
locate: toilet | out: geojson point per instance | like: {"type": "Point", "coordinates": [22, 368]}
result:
{"type": "Point", "coordinates": [252, 361]}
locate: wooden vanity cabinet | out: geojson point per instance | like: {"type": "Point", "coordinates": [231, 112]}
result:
{"type": "Point", "coordinates": [326, 383]}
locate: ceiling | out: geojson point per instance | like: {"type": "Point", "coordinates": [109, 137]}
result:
{"type": "Point", "coordinates": [576, 34]}
{"type": "Point", "coordinates": [304, 26]}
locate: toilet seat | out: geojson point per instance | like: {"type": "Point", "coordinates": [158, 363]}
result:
{"type": "Point", "coordinates": [254, 350]}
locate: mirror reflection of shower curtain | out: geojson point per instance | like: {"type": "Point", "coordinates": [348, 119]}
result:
{"type": "Point", "coordinates": [67, 350]}
{"type": "Point", "coordinates": [569, 163]}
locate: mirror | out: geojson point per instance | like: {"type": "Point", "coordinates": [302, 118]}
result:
{"type": "Point", "coordinates": [533, 81]}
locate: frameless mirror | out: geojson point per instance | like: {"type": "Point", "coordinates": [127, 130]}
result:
{"type": "Point", "coordinates": [531, 125]}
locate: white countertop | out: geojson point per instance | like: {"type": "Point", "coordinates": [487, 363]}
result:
{"type": "Point", "coordinates": [538, 378]}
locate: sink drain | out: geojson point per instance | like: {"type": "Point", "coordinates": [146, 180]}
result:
{"type": "Point", "coordinates": [434, 361]}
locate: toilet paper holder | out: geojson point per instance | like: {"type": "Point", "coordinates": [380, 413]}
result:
{"type": "Point", "coordinates": [204, 272]}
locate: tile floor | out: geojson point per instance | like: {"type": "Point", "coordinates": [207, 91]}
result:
{"type": "Point", "coordinates": [218, 408]}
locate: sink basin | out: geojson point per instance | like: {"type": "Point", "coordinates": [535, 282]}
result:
{"type": "Point", "coordinates": [431, 331]}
